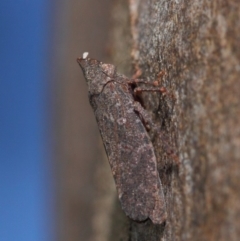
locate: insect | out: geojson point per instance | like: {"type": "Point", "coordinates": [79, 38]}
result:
{"type": "Point", "coordinates": [121, 121]}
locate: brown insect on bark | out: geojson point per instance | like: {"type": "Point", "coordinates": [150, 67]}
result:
{"type": "Point", "coordinates": [121, 121]}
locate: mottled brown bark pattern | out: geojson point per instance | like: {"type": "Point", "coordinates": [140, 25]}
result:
{"type": "Point", "coordinates": [197, 43]}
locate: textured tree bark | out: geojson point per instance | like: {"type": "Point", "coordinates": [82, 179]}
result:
{"type": "Point", "coordinates": [197, 43]}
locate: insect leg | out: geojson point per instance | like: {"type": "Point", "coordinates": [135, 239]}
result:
{"type": "Point", "coordinates": [144, 115]}
{"type": "Point", "coordinates": [161, 90]}
{"type": "Point", "coordinates": [149, 124]}
{"type": "Point", "coordinates": [136, 80]}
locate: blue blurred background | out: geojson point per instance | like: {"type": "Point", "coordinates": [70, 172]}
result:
{"type": "Point", "coordinates": [25, 169]}
{"type": "Point", "coordinates": [50, 147]}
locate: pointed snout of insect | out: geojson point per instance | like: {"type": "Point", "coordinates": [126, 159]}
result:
{"type": "Point", "coordinates": [81, 62]}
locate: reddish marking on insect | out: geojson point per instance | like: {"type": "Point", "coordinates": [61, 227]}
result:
{"type": "Point", "coordinates": [163, 90]}
{"type": "Point", "coordinates": [161, 73]}
{"type": "Point", "coordinates": [137, 74]}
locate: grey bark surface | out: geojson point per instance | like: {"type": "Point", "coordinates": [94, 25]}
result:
{"type": "Point", "coordinates": [197, 43]}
